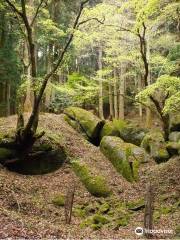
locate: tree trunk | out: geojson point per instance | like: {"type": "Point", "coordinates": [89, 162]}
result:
{"type": "Point", "coordinates": [140, 105]}
{"type": "Point", "coordinates": [101, 112]}
{"type": "Point", "coordinates": [8, 97]}
{"type": "Point", "coordinates": [122, 92]}
{"type": "Point", "coordinates": [49, 68]}
{"type": "Point", "coordinates": [27, 71]}
{"type": "Point", "coordinates": [148, 110]}
{"type": "Point", "coordinates": [111, 100]}
{"type": "Point", "coordinates": [115, 95]}
{"type": "Point", "coordinates": [149, 207]}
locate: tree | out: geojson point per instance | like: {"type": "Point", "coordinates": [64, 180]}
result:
{"type": "Point", "coordinates": [160, 96]}
{"type": "Point", "coordinates": [26, 135]}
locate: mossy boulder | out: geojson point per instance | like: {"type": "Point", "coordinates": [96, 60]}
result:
{"type": "Point", "coordinates": [173, 148]}
{"type": "Point", "coordinates": [174, 122]}
{"type": "Point", "coordinates": [125, 157]}
{"type": "Point", "coordinates": [129, 132]}
{"type": "Point", "coordinates": [174, 136]}
{"type": "Point", "coordinates": [109, 129]}
{"type": "Point", "coordinates": [85, 122]}
{"type": "Point", "coordinates": [154, 144]}
{"type": "Point", "coordinates": [96, 185]}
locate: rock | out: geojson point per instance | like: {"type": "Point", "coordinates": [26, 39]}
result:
{"type": "Point", "coordinates": [125, 157]}
{"type": "Point", "coordinates": [85, 122]}
{"type": "Point", "coordinates": [174, 122]}
{"type": "Point", "coordinates": [173, 147]}
{"type": "Point", "coordinates": [129, 132]}
{"type": "Point", "coordinates": [5, 154]}
{"type": "Point", "coordinates": [96, 185]}
{"type": "Point", "coordinates": [109, 129]}
{"type": "Point", "coordinates": [43, 163]}
{"type": "Point", "coordinates": [174, 136]}
{"type": "Point", "coordinates": [154, 144]}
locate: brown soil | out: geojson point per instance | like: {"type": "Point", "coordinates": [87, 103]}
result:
{"type": "Point", "coordinates": [26, 209]}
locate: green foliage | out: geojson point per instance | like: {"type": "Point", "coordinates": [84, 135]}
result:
{"type": "Point", "coordinates": [167, 88]}
{"type": "Point", "coordinates": [77, 91]}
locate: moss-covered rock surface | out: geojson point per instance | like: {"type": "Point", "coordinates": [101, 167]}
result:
{"type": "Point", "coordinates": [96, 185]}
{"type": "Point", "coordinates": [154, 144]}
{"type": "Point", "coordinates": [85, 122]}
{"type": "Point", "coordinates": [125, 157]}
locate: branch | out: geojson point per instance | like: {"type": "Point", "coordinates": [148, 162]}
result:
{"type": "Point", "coordinates": [14, 8]}
{"type": "Point", "coordinates": [157, 105]}
{"type": "Point", "coordinates": [87, 20]}
{"type": "Point", "coordinates": [36, 13]}
{"type": "Point", "coordinates": [134, 100]}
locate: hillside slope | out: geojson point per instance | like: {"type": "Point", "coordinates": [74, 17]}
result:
{"type": "Point", "coordinates": [26, 202]}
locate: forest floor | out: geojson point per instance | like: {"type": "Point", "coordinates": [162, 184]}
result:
{"type": "Point", "coordinates": [26, 202]}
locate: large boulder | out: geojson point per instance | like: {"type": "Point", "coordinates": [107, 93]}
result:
{"type": "Point", "coordinates": [174, 122]}
{"type": "Point", "coordinates": [125, 157]}
{"type": "Point", "coordinates": [109, 129]}
{"type": "Point", "coordinates": [154, 144]}
{"type": "Point", "coordinates": [174, 136]}
{"type": "Point", "coordinates": [129, 132]}
{"type": "Point", "coordinates": [173, 148]}
{"type": "Point", "coordinates": [85, 122]}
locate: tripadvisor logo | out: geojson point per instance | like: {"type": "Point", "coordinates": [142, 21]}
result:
{"type": "Point", "coordinates": [139, 231]}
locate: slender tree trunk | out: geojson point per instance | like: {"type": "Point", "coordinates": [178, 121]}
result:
{"type": "Point", "coordinates": [28, 100]}
{"type": "Point", "coordinates": [122, 92]}
{"type": "Point", "coordinates": [115, 95]}
{"type": "Point", "coordinates": [140, 105]}
{"type": "Point", "coordinates": [101, 112]}
{"type": "Point", "coordinates": [148, 110]}
{"type": "Point", "coordinates": [149, 207]}
{"type": "Point", "coordinates": [48, 91]}
{"type": "Point", "coordinates": [111, 100]}
{"type": "Point", "coordinates": [8, 97]}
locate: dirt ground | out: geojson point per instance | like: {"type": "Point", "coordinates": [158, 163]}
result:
{"type": "Point", "coordinates": [27, 210]}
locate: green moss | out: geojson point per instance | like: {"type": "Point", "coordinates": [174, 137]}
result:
{"type": "Point", "coordinates": [156, 216]}
{"type": "Point", "coordinates": [79, 211]}
{"type": "Point", "coordinates": [55, 138]}
{"type": "Point", "coordinates": [104, 208]}
{"type": "Point", "coordinates": [59, 200]}
{"type": "Point", "coordinates": [5, 153]}
{"type": "Point", "coordinates": [139, 203]}
{"type": "Point", "coordinates": [84, 120]}
{"type": "Point", "coordinates": [109, 129]}
{"type": "Point", "coordinates": [123, 156]}
{"type": "Point", "coordinates": [119, 124]}
{"type": "Point", "coordinates": [121, 222]}
{"type": "Point", "coordinates": [155, 145]}
{"type": "Point", "coordinates": [96, 185]}
{"type": "Point", "coordinates": [165, 210]}
{"type": "Point", "coordinates": [99, 219]}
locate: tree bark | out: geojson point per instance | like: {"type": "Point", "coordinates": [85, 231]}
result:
{"type": "Point", "coordinates": [149, 207]}
{"type": "Point", "coordinates": [8, 97]}
{"type": "Point", "coordinates": [115, 95]}
{"type": "Point", "coordinates": [122, 92]}
{"type": "Point", "coordinates": [101, 112]}
{"type": "Point", "coordinates": [111, 100]}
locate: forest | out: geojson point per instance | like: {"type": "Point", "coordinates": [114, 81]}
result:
{"type": "Point", "coordinates": [89, 119]}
